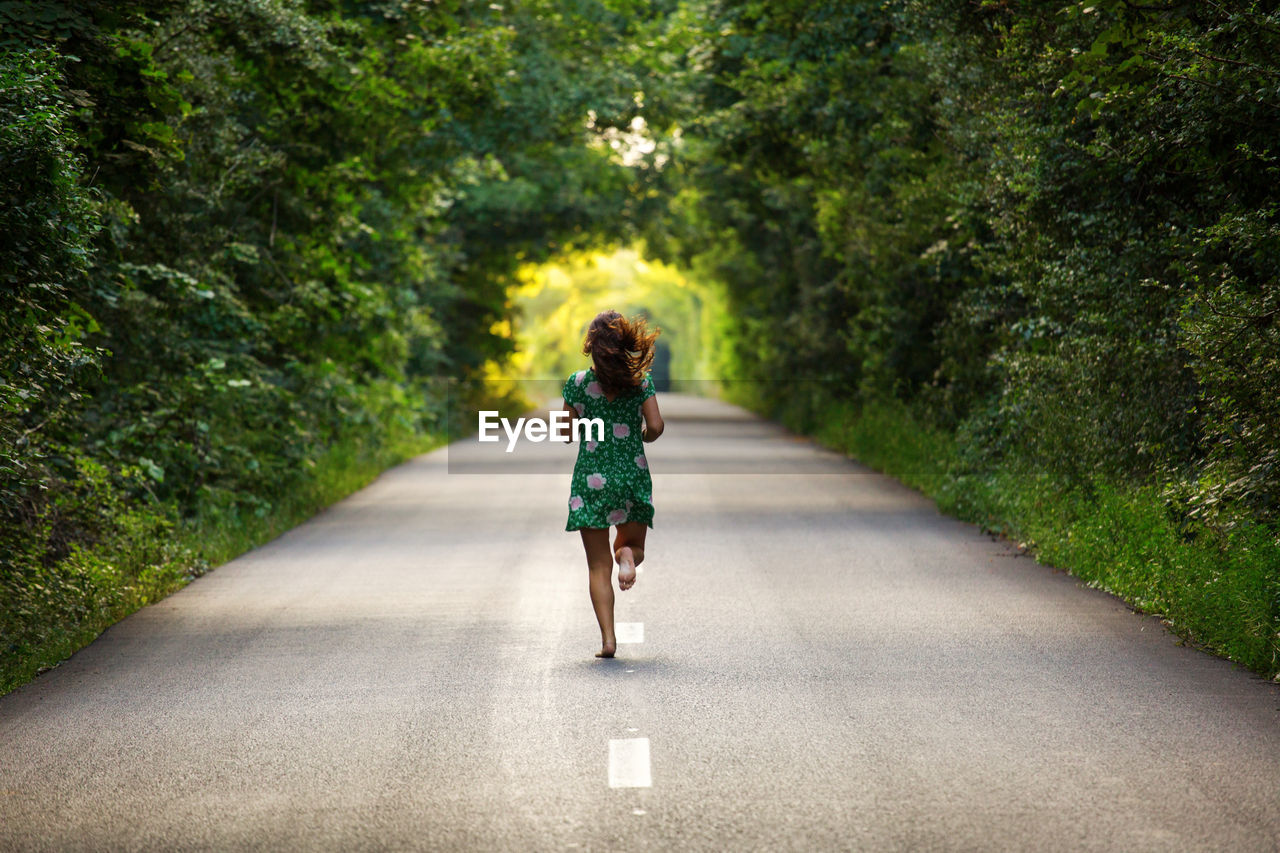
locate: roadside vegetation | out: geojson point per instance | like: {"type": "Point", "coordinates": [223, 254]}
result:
{"type": "Point", "coordinates": [247, 245]}
{"type": "Point", "coordinates": [1024, 256]}
{"type": "Point", "coordinates": [1028, 256]}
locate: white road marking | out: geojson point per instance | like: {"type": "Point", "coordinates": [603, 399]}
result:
{"type": "Point", "coordinates": [630, 632]}
{"type": "Point", "coordinates": [629, 763]}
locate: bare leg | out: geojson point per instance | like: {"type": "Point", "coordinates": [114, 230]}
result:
{"type": "Point", "coordinates": [628, 550]}
{"type": "Point", "coordinates": [595, 540]}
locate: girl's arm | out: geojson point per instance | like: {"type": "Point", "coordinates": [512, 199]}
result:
{"type": "Point", "coordinates": [653, 424]}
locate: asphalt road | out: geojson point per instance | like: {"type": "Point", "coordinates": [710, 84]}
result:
{"type": "Point", "coordinates": [827, 663]}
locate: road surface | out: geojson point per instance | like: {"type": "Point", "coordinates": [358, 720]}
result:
{"type": "Point", "coordinates": [826, 663]}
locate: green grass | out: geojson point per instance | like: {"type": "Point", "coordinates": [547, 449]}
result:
{"type": "Point", "coordinates": [1217, 589]}
{"type": "Point", "coordinates": [154, 556]}
{"type": "Point", "coordinates": [345, 468]}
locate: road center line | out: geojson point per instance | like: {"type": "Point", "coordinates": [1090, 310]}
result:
{"type": "Point", "coordinates": [629, 632]}
{"type": "Point", "coordinates": [629, 763]}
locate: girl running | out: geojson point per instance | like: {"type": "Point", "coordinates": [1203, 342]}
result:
{"type": "Point", "coordinates": [611, 483]}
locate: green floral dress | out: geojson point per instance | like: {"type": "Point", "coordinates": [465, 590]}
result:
{"type": "Point", "coordinates": [611, 482]}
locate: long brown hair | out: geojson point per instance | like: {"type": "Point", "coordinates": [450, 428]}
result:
{"type": "Point", "coordinates": [621, 351]}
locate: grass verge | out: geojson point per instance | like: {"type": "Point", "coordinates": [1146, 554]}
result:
{"type": "Point", "coordinates": [1217, 589]}
{"type": "Point", "coordinates": [155, 556]}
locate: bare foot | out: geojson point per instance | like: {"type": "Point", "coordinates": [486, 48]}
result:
{"type": "Point", "coordinates": [626, 568]}
{"type": "Point", "coordinates": [607, 650]}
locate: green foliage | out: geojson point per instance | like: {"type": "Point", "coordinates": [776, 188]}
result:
{"type": "Point", "coordinates": [557, 301]}
{"type": "Point", "coordinates": [48, 223]}
{"type": "Point", "coordinates": [244, 233]}
{"type": "Point", "coordinates": [1218, 589]}
{"type": "Point", "coordinates": [1048, 229]}
{"type": "Point", "coordinates": [249, 233]}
